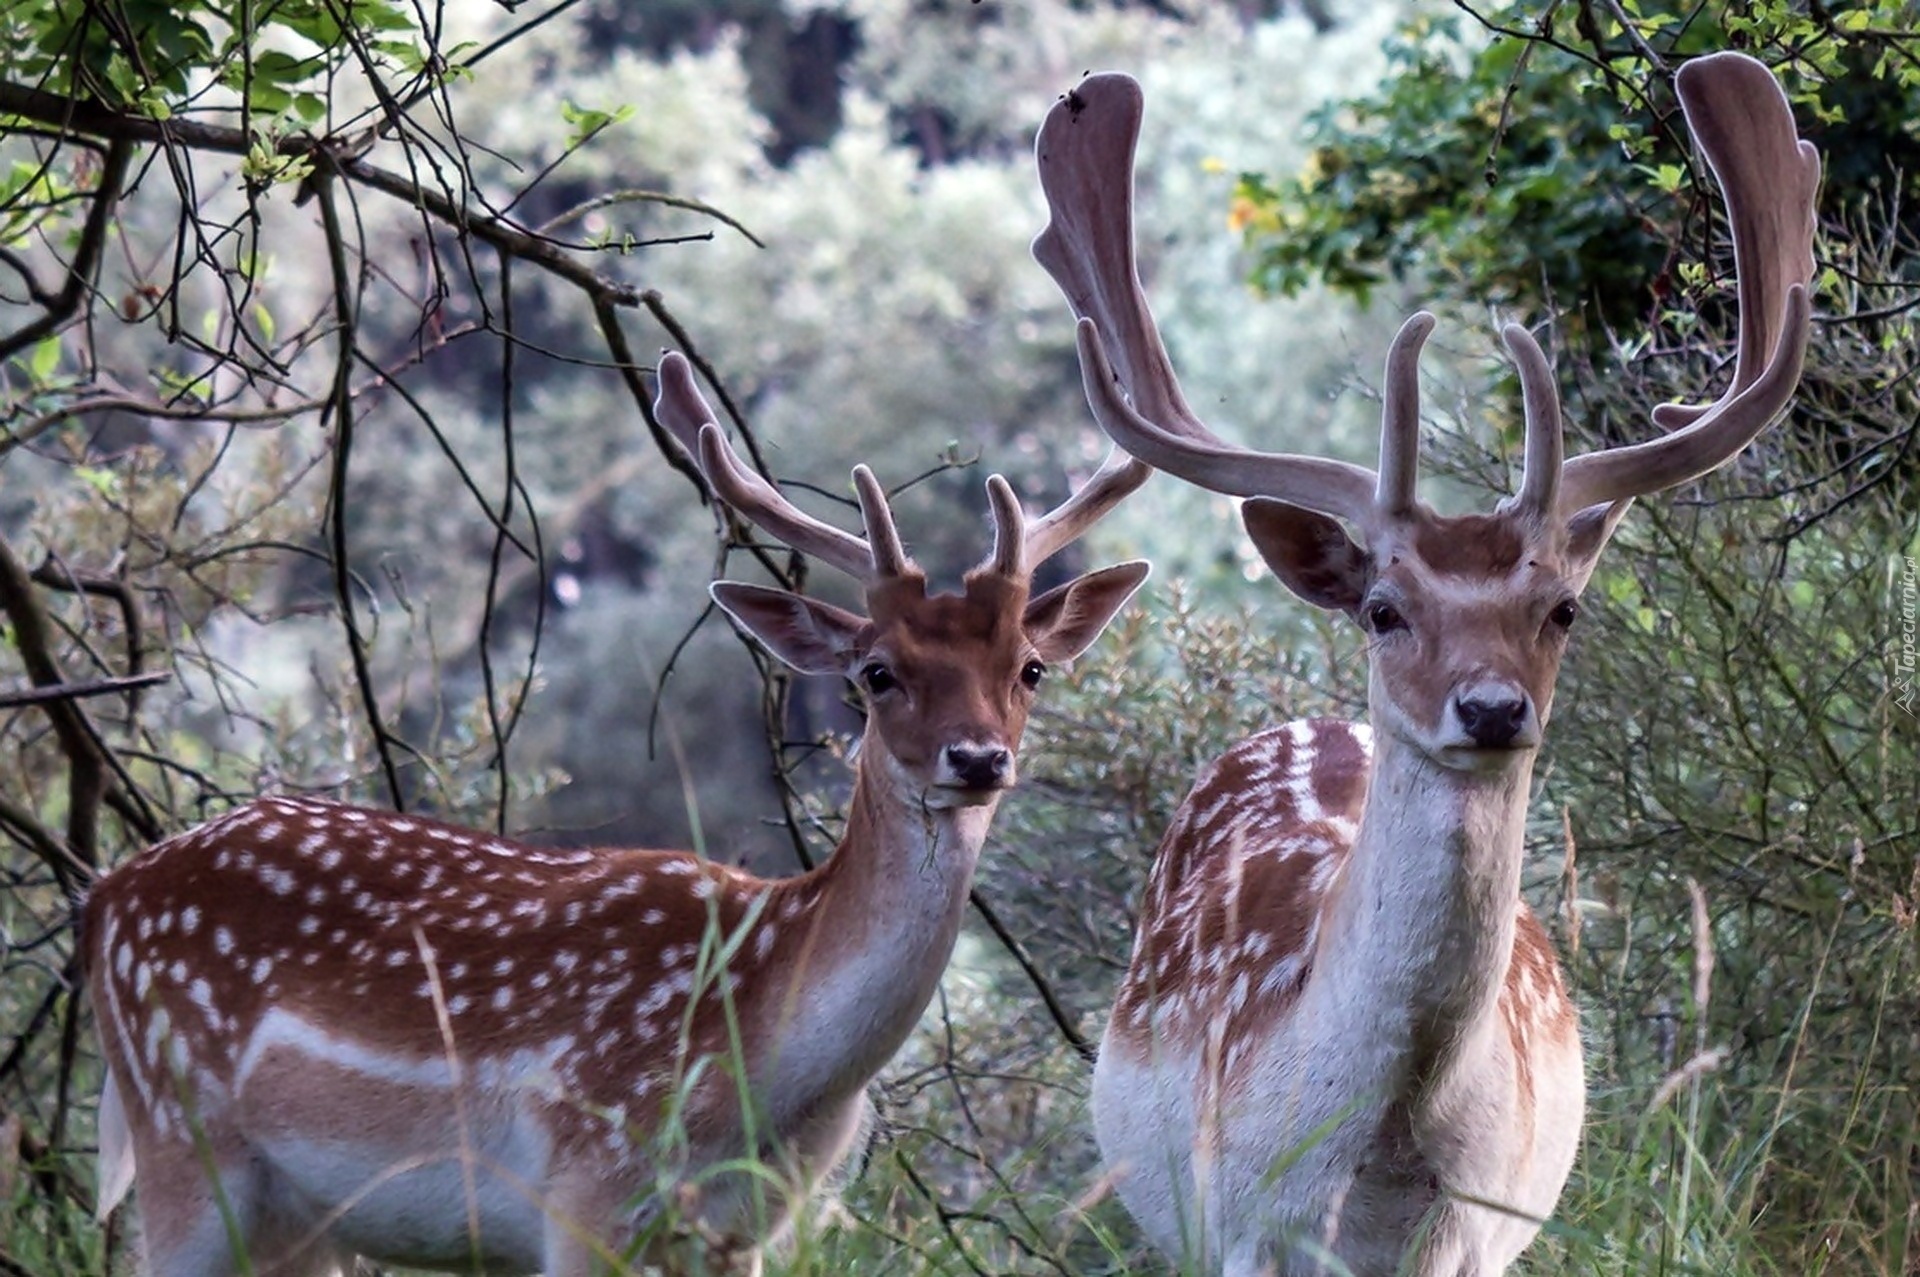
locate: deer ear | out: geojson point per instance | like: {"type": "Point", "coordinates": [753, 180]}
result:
{"type": "Point", "coordinates": [811, 636]}
{"type": "Point", "coordinates": [1064, 622]}
{"type": "Point", "coordinates": [1311, 553]}
{"type": "Point", "coordinates": [1588, 532]}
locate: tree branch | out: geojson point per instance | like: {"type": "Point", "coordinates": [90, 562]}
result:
{"type": "Point", "coordinates": [1055, 1010]}
{"type": "Point", "coordinates": [327, 153]}
{"type": "Point", "coordinates": [340, 407]}
{"type": "Point", "coordinates": [86, 257]}
{"type": "Point", "coordinates": [79, 691]}
{"type": "Point", "coordinates": [86, 771]}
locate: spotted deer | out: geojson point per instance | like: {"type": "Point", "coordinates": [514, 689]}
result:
{"type": "Point", "coordinates": [1343, 1037]}
{"type": "Point", "coordinates": [335, 1032]}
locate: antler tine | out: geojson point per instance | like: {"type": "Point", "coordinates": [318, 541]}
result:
{"type": "Point", "coordinates": [1119, 475]}
{"type": "Point", "coordinates": [1010, 537]}
{"type": "Point", "coordinates": [1400, 418]}
{"type": "Point", "coordinates": [685, 412]}
{"type": "Point", "coordinates": [1546, 442]}
{"type": "Point", "coordinates": [876, 514]}
{"type": "Point", "coordinates": [1769, 178]}
{"type": "Point", "coordinates": [1085, 155]}
{"type": "Point", "coordinates": [679, 405]}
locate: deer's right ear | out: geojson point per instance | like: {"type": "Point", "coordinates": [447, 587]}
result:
{"type": "Point", "coordinates": [1311, 553]}
{"type": "Point", "coordinates": [811, 636]}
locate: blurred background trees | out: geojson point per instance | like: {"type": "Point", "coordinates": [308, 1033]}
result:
{"type": "Point", "coordinates": [324, 342]}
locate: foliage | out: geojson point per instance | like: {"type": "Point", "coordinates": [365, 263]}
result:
{"type": "Point", "coordinates": [1535, 155]}
{"type": "Point", "coordinates": [152, 59]}
{"type": "Point", "coordinates": [1807, 854]}
{"type": "Point", "coordinates": [895, 317]}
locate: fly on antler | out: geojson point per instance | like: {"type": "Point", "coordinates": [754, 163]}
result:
{"type": "Point", "coordinates": [1342, 1031]}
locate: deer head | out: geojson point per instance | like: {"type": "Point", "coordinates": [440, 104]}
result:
{"type": "Point", "coordinates": [948, 679]}
{"type": "Point", "coordinates": [1469, 615]}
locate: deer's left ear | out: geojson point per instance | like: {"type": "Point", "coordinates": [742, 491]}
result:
{"type": "Point", "coordinates": [1588, 532]}
{"type": "Point", "coordinates": [1064, 622]}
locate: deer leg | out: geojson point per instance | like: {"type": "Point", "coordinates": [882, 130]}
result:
{"type": "Point", "coordinates": [207, 1206]}
{"type": "Point", "coordinates": [198, 1204]}
{"type": "Point", "coordinates": [592, 1221]}
{"type": "Point", "coordinates": [1456, 1246]}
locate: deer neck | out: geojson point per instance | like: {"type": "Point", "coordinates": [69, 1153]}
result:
{"type": "Point", "coordinates": [878, 924]}
{"type": "Point", "coordinates": [899, 880]}
{"type": "Point", "coordinates": [1421, 926]}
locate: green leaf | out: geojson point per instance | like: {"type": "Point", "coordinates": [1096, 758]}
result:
{"type": "Point", "coordinates": [586, 121]}
{"type": "Point", "coordinates": [45, 358]}
{"type": "Point", "coordinates": [379, 15]}
{"type": "Point", "coordinates": [280, 67]}
{"type": "Point", "coordinates": [268, 99]}
{"type": "Point", "coordinates": [1667, 178]}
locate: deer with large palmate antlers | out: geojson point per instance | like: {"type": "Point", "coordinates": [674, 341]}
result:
{"type": "Point", "coordinates": [1343, 1038]}
{"type": "Point", "coordinates": [332, 1031]}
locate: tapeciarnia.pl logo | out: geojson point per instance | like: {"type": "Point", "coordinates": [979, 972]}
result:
{"type": "Point", "coordinates": [1906, 690]}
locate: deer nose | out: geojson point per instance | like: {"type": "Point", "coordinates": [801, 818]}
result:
{"type": "Point", "coordinates": [1492, 716]}
{"type": "Point", "coordinates": [980, 766]}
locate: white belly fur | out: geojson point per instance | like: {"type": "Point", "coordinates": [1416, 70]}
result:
{"type": "Point", "coordinates": [404, 1189]}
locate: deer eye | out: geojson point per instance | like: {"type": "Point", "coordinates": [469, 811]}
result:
{"type": "Point", "coordinates": [878, 679]}
{"type": "Point", "coordinates": [1564, 614]}
{"type": "Point", "coordinates": [1032, 672]}
{"type": "Point", "coordinates": [1384, 618]}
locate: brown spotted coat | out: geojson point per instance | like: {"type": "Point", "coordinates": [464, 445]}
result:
{"type": "Point", "coordinates": [1240, 884]}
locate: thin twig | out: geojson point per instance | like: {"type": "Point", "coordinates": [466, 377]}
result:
{"type": "Point", "coordinates": [86, 773]}
{"type": "Point", "coordinates": [341, 410]}
{"type": "Point", "coordinates": [80, 691]}
{"type": "Point", "coordinates": [58, 111]}
{"type": "Point", "coordinates": [1041, 985]}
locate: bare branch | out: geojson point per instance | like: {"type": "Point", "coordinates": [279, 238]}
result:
{"type": "Point", "coordinates": [86, 774]}
{"type": "Point", "coordinates": [331, 153]}
{"type": "Point", "coordinates": [1041, 985]}
{"type": "Point", "coordinates": [79, 691]}
{"type": "Point", "coordinates": [341, 409]}
{"type": "Point", "coordinates": [86, 257]}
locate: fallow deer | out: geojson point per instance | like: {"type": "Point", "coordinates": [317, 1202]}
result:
{"type": "Point", "coordinates": [335, 1032]}
{"type": "Point", "coordinates": [1344, 1038]}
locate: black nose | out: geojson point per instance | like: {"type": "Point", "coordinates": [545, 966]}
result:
{"type": "Point", "coordinates": [979, 766]}
{"type": "Point", "coordinates": [1492, 719]}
